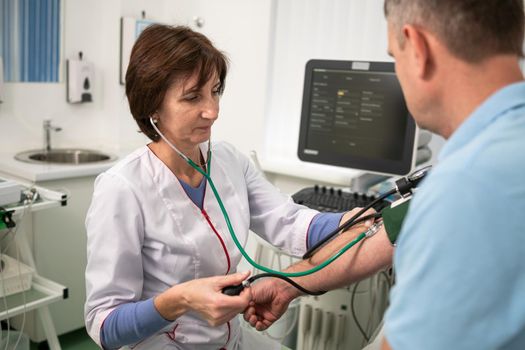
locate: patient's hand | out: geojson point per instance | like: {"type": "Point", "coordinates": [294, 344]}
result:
{"type": "Point", "coordinates": [270, 299]}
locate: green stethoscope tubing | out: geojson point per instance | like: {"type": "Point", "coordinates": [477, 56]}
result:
{"type": "Point", "coordinates": [321, 266]}
{"type": "Point", "coordinates": [206, 174]}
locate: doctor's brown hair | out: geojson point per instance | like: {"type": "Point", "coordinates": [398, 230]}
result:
{"type": "Point", "coordinates": [472, 30]}
{"type": "Point", "coordinates": [161, 56]}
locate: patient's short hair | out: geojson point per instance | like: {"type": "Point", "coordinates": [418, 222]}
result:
{"type": "Point", "coordinates": [471, 29]}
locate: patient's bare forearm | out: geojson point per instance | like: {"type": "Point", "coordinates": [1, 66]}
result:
{"type": "Point", "coordinates": [363, 260]}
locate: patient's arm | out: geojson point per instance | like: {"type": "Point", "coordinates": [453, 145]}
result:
{"type": "Point", "coordinates": [272, 296]}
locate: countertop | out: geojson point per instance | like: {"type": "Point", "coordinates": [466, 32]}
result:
{"type": "Point", "coordinates": [44, 172]}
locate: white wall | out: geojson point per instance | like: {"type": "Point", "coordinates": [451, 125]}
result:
{"type": "Point", "coordinates": [240, 28]}
{"type": "Point", "coordinates": [306, 29]}
{"type": "Point", "coordinates": [243, 29]}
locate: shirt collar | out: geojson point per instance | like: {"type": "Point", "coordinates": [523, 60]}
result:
{"type": "Point", "coordinates": [510, 97]}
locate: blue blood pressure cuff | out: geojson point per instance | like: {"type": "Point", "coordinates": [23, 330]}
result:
{"type": "Point", "coordinates": [393, 217]}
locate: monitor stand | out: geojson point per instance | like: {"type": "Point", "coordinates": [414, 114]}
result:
{"type": "Point", "coordinates": [362, 183]}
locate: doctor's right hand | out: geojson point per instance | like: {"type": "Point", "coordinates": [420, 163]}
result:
{"type": "Point", "coordinates": [205, 296]}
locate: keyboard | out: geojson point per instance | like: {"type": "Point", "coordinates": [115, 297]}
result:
{"type": "Point", "coordinates": [329, 199]}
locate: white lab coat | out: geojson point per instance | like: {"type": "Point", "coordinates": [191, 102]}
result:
{"type": "Point", "coordinates": [146, 235]}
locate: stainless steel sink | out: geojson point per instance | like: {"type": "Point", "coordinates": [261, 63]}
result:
{"type": "Point", "coordinates": [64, 156]}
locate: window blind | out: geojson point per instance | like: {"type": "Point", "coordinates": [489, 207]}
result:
{"type": "Point", "coordinates": [30, 40]}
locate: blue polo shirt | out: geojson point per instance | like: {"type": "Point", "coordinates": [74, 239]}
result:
{"type": "Point", "coordinates": [460, 259]}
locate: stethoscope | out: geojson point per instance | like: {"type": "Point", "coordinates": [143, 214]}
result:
{"type": "Point", "coordinates": [235, 290]}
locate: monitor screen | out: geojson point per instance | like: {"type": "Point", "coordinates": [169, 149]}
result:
{"type": "Point", "coordinates": [354, 115]}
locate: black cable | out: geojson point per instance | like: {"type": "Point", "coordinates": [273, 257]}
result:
{"type": "Point", "coordinates": [287, 279]}
{"type": "Point", "coordinates": [237, 289]}
{"type": "Point", "coordinates": [364, 218]}
{"type": "Point", "coordinates": [295, 284]}
{"type": "Point", "coordinates": [346, 225]}
{"type": "Point", "coordinates": [352, 309]}
{"type": "Point", "coordinates": [407, 183]}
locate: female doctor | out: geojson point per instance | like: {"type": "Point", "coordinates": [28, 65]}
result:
{"type": "Point", "coordinates": [159, 251]}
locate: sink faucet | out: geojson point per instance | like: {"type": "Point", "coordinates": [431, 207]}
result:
{"type": "Point", "coordinates": [47, 134]}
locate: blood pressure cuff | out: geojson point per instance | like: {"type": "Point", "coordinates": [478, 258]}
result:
{"type": "Point", "coordinates": [393, 217]}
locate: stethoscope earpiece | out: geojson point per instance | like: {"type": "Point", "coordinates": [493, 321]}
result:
{"type": "Point", "coordinates": [153, 123]}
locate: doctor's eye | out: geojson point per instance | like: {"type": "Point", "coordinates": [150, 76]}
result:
{"type": "Point", "coordinates": [191, 98]}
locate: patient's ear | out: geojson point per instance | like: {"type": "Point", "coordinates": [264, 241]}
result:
{"type": "Point", "coordinates": [419, 42]}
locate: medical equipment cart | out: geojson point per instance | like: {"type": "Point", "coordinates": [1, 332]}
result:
{"type": "Point", "coordinates": [43, 291]}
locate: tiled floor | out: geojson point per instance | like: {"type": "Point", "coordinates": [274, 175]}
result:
{"type": "Point", "coordinates": [77, 340]}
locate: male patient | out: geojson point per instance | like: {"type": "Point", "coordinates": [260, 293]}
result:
{"type": "Point", "coordinates": [460, 258]}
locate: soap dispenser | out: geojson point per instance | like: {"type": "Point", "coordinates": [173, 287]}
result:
{"type": "Point", "coordinates": [79, 80]}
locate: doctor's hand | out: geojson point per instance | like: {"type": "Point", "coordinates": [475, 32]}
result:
{"type": "Point", "coordinates": [205, 297]}
{"type": "Point", "coordinates": [271, 298]}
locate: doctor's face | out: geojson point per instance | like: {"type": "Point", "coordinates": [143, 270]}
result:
{"type": "Point", "coordinates": [188, 112]}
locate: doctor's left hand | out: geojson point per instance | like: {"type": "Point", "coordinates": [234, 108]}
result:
{"type": "Point", "coordinates": [205, 297]}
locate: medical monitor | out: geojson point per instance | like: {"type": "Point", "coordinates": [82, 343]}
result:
{"type": "Point", "coordinates": [354, 115]}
